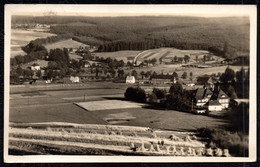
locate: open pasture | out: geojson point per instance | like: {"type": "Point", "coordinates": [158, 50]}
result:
{"type": "Point", "coordinates": [21, 38]}
{"type": "Point", "coordinates": [125, 55]}
{"type": "Point", "coordinates": [65, 44]}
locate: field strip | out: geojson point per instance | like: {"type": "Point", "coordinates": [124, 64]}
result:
{"type": "Point", "coordinates": [39, 105]}
{"type": "Point", "coordinates": [139, 54]}
{"type": "Point", "coordinates": [104, 137]}
{"type": "Point", "coordinates": [84, 145]}
{"type": "Point", "coordinates": [93, 126]}
{"type": "Point", "coordinates": [108, 104]}
{"type": "Point", "coordinates": [147, 56]}
{"type": "Point", "coordinates": [63, 145]}
{"type": "Point", "coordinates": [165, 54]}
{"type": "Point", "coordinates": [92, 97]}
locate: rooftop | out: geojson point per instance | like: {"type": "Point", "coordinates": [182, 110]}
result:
{"type": "Point", "coordinates": [214, 103]}
{"type": "Point", "coordinates": [162, 77]}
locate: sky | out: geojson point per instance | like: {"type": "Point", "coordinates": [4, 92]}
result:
{"type": "Point", "coordinates": [132, 10]}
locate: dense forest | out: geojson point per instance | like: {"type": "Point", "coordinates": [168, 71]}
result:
{"type": "Point", "coordinates": [146, 32]}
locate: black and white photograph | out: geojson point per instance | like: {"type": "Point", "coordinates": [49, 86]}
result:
{"type": "Point", "coordinates": [130, 83]}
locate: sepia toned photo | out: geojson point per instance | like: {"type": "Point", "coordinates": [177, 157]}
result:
{"type": "Point", "coordinates": [130, 83]}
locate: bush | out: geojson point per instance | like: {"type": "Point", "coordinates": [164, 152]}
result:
{"type": "Point", "coordinates": [239, 117]}
{"type": "Point", "coordinates": [135, 94]}
{"type": "Point", "coordinates": [236, 142]}
{"type": "Point", "coordinates": [152, 98]}
{"type": "Point", "coordinates": [160, 93]}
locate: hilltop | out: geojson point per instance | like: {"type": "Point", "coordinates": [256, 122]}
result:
{"type": "Point", "coordinates": [147, 32]}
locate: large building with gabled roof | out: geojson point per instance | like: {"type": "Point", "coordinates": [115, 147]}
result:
{"type": "Point", "coordinates": [223, 99]}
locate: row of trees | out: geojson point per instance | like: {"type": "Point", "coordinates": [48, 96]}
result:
{"type": "Point", "coordinates": [235, 84]}
{"type": "Point", "coordinates": [177, 98]}
{"type": "Point", "coordinates": [33, 52]}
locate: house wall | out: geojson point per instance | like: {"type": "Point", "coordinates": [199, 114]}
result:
{"type": "Point", "coordinates": [224, 103]}
{"type": "Point", "coordinates": [161, 81]}
{"type": "Point", "coordinates": [130, 81]}
{"type": "Point", "coordinates": [215, 108]}
{"type": "Point", "coordinates": [35, 68]}
{"type": "Point", "coordinates": [200, 104]}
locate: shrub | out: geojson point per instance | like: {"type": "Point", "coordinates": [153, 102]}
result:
{"type": "Point", "coordinates": [152, 98]}
{"type": "Point", "coordinates": [160, 93]}
{"type": "Point", "coordinates": [239, 117]}
{"type": "Point", "coordinates": [135, 94]}
{"type": "Point", "coordinates": [236, 142]}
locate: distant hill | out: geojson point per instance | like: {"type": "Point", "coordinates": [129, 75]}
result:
{"type": "Point", "coordinates": [147, 32]}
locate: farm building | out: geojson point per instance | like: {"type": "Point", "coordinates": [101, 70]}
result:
{"type": "Point", "coordinates": [130, 79]}
{"type": "Point", "coordinates": [208, 81]}
{"type": "Point", "coordinates": [214, 105]}
{"type": "Point", "coordinates": [87, 76]}
{"type": "Point", "coordinates": [144, 81]}
{"type": "Point", "coordinates": [74, 79]}
{"type": "Point", "coordinates": [202, 96]}
{"type": "Point", "coordinates": [162, 79]}
{"type": "Point", "coordinates": [223, 99]}
{"type": "Point", "coordinates": [35, 67]}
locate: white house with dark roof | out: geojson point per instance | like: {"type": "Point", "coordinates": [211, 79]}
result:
{"type": "Point", "coordinates": [74, 79]}
{"type": "Point", "coordinates": [223, 99]}
{"type": "Point", "coordinates": [214, 105]}
{"type": "Point", "coordinates": [130, 79]}
{"type": "Point", "coordinates": [202, 96]}
{"type": "Point", "coordinates": [35, 67]}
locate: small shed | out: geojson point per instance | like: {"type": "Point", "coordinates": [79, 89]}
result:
{"type": "Point", "coordinates": [214, 105]}
{"type": "Point", "coordinates": [74, 79]}
{"type": "Point", "coordinates": [35, 67]}
{"type": "Point", "coordinates": [130, 79]}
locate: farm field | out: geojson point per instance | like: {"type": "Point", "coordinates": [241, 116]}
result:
{"type": "Point", "coordinates": [64, 44]}
{"type": "Point", "coordinates": [58, 106]}
{"type": "Point", "coordinates": [125, 55]}
{"type": "Point", "coordinates": [21, 38]}
{"type": "Point", "coordinates": [180, 70]}
{"type": "Point", "coordinates": [167, 54]}
{"type": "Point", "coordinates": [92, 139]}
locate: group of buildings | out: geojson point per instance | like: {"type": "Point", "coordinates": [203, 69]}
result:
{"type": "Point", "coordinates": [206, 96]}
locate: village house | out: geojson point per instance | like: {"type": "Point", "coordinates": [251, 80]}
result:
{"type": "Point", "coordinates": [35, 67]}
{"type": "Point", "coordinates": [207, 81]}
{"type": "Point", "coordinates": [223, 99]}
{"type": "Point", "coordinates": [144, 81]}
{"type": "Point", "coordinates": [130, 79]}
{"type": "Point", "coordinates": [203, 95]}
{"type": "Point", "coordinates": [74, 79]}
{"type": "Point", "coordinates": [214, 105]}
{"type": "Point", "coordinates": [162, 79]}
{"type": "Point", "coordinates": [87, 76]}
